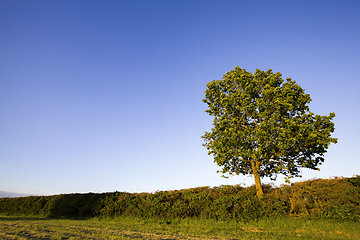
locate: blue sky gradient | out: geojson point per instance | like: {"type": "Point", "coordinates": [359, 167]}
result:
{"type": "Point", "coordinates": [100, 96]}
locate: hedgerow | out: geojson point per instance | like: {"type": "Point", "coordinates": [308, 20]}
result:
{"type": "Point", "coordinates": [336, 198]}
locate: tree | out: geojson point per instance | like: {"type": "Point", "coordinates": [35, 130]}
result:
{"type": "Point", "coordinates": [263, 126]}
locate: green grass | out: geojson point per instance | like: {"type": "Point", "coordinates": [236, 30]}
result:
{"type": "Point", "coordinates": [135, 228]}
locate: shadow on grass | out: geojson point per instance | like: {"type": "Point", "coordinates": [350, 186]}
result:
{"type": "Point", "coordinates": [22, 218]}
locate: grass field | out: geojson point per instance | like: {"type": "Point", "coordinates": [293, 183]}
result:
{"type": "Point", "coordinates": [133, 228]}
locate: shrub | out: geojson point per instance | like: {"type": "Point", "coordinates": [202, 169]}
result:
{"type": "Point", "coordinates": [336, 198]}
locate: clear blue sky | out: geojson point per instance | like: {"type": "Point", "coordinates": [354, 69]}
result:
{"type": "Point", "coordinates": [100, 96]}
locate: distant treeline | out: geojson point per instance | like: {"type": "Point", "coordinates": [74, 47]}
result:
{"type": "Point", "coordinates": [336, 198]}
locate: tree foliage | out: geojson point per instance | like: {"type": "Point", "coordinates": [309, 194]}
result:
{"type": "Point", "coordinates": [263, 126]}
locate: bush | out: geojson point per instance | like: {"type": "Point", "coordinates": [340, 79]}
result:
{"type": "Point", "coordinates": [336, 198]}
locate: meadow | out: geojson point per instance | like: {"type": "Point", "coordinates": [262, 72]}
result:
{"type": "Point", "coordinates": [131, 228]}
{"type": "Point", "coordinates": [313, 209]}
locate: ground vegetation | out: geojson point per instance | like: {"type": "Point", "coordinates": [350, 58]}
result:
{"type": "Point", "coordinates": [336, 198]}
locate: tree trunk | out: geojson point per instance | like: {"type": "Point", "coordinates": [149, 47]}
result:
{"type": "Point", "coordinates": [259, 190]}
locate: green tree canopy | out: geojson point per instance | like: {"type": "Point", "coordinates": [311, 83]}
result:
{"type": "Point", "coordinates": [263, 126]}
